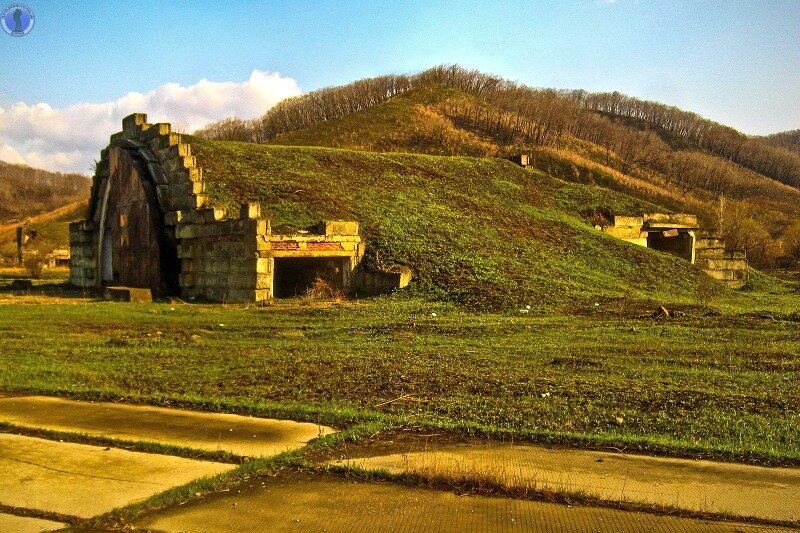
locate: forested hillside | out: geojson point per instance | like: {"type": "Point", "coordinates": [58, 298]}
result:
{"type": "Point", "coordinates": [27, 191]}
{"type": "Point", "coordinates": [747, 188]}
{"type": "Point", "coordinates": [786, 139]}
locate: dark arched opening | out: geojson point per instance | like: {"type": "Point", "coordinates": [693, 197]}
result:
{"type": "Point", "coordinates": [137, 248]}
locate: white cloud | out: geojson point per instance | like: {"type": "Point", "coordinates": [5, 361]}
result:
{"type": "Point", "coordinates": [69, 139]}
{"type": "Point", "coordinates": [10, 155]}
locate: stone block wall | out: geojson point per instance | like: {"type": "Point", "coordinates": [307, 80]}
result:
{"type": "Point", "coordinates": [375, 282]}
{"type": "Point", "coordinates": [670, 219]}
{"type": "Point", "coordinates": [83, 263]}
{"type": "Point", "coordinates": [729, 267]}
{"type": "Point", "coordinates": [628, 229]}
{"type": "Point", "coordinates": [219, 257]}
{"type": "Point", "coordinates": [177, 178]}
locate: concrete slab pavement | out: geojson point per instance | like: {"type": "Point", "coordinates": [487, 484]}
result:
{"type": "Point", "coordinates": [703, 486]}
{"type": "Point", "coordinates": [241, 435]}
{"type": "Point", "coordinates": [302, 502]}
{"type": "Point", "coordinates": [84, 481]}
{"type": "Point", "coordinates": [24, 524]}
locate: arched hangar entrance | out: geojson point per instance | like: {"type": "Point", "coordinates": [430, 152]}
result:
{"type": "Point", "coordinates": [134, 247]}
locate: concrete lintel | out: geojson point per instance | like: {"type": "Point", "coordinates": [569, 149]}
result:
{"type": "Point", "coordinates": [311, 253]}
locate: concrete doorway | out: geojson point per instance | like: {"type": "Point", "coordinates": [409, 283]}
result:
{"type": "Point", "coordinates": [294, 276]}
{"type": "Point", "coordinates": [674, 242]}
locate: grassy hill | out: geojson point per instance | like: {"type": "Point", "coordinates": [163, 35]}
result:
{"type": "Point", "coordinates": [744, 187]}
{"type": "Point", "coordinates": [429, 120]}
{"type": "Point", "coordinates": [52, 230]}
{"type": "Point", "coordinates": [478, 231]}
{"type": "Point", "coordinates": [416, 121]}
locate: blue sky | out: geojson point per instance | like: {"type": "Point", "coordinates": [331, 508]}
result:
{"type": "Point", "coordinates": [737, 62]}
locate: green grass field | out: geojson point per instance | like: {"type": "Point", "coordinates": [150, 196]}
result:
{"type": "Point", "coordinates": [604, 375]}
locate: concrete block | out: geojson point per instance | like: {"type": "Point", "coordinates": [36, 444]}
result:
{"type": "Point", "coordinates": [264, 265]}
{"type": "Point", "coordinates": [250, 210]}
{"type": "Point", "coordinates": [338, 227]}
{"type": "Point", "coordinates": [156, 131]}
{"type": "Point", "coordinates": [128, 294]}
{"type": "Point", "coordinates": [200, 201]}
{"type": "Point", "coordinates": [193, 174]}
{"type": "Point", "coordinates": [186, 250]}
{"type": "Point", "coordinates": [240, 295]}
{"type": "Point", "coordinates": [172, 218]}
{"type": "Point", "coordinates": [628, 222]}
{"type": "Point", "coordinates": [263, 281]}
{"type": "Point", "coordinates": [187, 231]}
{"type": "Point", "coordinates": [709, 253]}
{"type": "Point", "coordinates": [176, 150]}
{"type": "Point", "coordinates": [206, 215]}
{"type": "Point", "coordinates": [132, 121]}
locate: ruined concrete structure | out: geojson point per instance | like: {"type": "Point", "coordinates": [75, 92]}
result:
{"type": "Point", "coordinates": [523, 160]}
{"type": "Point", "coordinates": [679, 234]}
{"type": "Point", "coordinates": [58, 259]}
{"type": "Point", "coordinates": [150, 225]}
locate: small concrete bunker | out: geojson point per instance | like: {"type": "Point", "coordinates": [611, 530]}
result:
{"type": "Point", "coordinates": [150, 225]}
{"type": "Point", "coordinates": [666, 232]}
{"type": "Point", "coordinates": [679, 234]}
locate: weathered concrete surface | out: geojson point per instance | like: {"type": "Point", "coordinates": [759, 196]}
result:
{"type": "Point", "coordinates": [705, 486]}
{"type": "Point", "coordinates": [241, 435]}
{"type": "Point", "coordinates": [326, 503]}
{"type": "Point", "coordinates": [79, 480]}
{"type": "Point", "coordinates": [23, 524]}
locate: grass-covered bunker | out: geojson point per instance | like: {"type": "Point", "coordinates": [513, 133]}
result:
{"type": "Point", "coordinates": [150, 224]}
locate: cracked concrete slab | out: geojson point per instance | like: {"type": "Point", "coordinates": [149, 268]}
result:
{"type": "Point", "coordinates": [84, 481]}
{"type": "Point", "coordinates": [242, 435]}
{"type": "Point", "coordinates": [302, 502]}
{"type": "Point", "coordinates": [703, 486]}
{"type": "Point", "coordinates": [24, 524]}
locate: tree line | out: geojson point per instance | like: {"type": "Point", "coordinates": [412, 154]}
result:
{"type": "Point", "coordinates": [641, 133]}
{"type": "Point", "coordinates": [680, 149]}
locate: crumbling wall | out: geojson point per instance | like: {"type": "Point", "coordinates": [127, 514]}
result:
{"type": "Point", "coordinates": [670, 219]}
{"type": "Point", "coordinates": [379, 282]}
{"type": "Point", "coordinates": [628, 229]}
{"type": "Point", "coordinates": [83, 262]}
{"type": "Point", "coordinates": [729, 267]}
{"type": "Point", "coordinates": [219, 257]}
{"type": "Point", "coordinates": [674, 233]}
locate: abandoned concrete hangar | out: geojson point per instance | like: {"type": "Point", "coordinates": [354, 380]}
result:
{"type": "Point", "coordinates": [151, 225]}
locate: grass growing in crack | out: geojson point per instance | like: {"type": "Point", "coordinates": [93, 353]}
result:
{"type": "Point", "coordinates": [130, 445]}
{"type": "Point", "coordinates": [478, 483]}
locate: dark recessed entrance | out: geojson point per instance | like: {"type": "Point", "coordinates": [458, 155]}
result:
{"type": "Point", "coordinates": [673, 242]}
{"type": "Point", "coordinates": [294, 276]}
{"type": "Point", "coordinates": [138, 251]}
